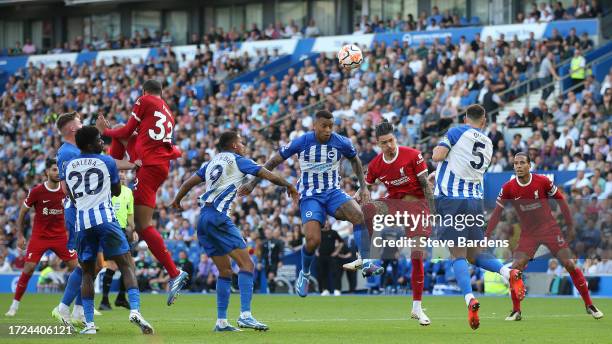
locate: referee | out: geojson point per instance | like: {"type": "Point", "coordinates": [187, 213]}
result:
{"type": "Point", "coordinates": [124, 210]}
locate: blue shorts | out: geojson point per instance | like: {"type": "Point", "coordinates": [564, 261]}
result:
{"type": "Point", "coordinates": [70, 222]}
{"type": "Point", "coordinates": [106, 236]}
{"type": "Point", "coordinates": [217, 234]}
{"type": "Point", "coordinates": [468, 220]}
{"type": "Point", "coordinates": [316, 207]}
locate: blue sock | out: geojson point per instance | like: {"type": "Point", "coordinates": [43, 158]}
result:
{"type": "Point", "coordinates": [88, 308]}
{"type": "Point", "coordinates": [134, 299]}
{"type": "Point", "coordinates": [362, 240]}
{"type": "Point", "coordinates": [223, 296]}
{"type": "Point", "coordinates": [245, 283]}
{"type": "Point", "coordinates": [73, 286]}
{"type": "Point", "coordinates": [462, 274]}
{"type": "Point", "coordinates": [488, 262]}
{"type": "Point", "coordinates": [306, 260]}
{"type": "Point", "coordinates": [78, 300]}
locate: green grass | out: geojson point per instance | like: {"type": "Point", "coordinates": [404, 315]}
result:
{"type": "Point", "coordinates": [346, 319]}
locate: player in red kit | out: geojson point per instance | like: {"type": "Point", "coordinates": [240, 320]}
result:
{"type": "Point", "coordinates": [529, 195]}
{"type": "Point", "coordinates": [48, 230]}
{"type": "Point", "coordinates": [404, 173]}
{"type": "Point", "coordinates": [148, 139]}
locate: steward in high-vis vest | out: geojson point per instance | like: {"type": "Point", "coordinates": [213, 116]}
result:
{"type": "Point", "coordinates": [578, 70]}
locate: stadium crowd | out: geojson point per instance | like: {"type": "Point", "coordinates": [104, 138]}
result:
{"type": "Point", "coordinates": [421, 90]}
{"type": "Point", "coordinates": [436, 20]}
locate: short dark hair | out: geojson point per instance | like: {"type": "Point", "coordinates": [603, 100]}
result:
{"type": "Point", "coordinates": [65, 119]}
{"type": "Point", "coordinates": [86, 136]}
{"type": "Point", "coordinates": [50, 162]}
{"type": "Point", "coordinates": [152, 86]}
{"type": "Point", "coordinates": [475, 112]}
{"type": "Point", "coordinates": [524, 155]}
{"type": "Point", "coordinates": [227, 139]}
{"type": "Point", "coordinates": [324, 114]}
{"type": "Point", "coordinates": [383, 128]}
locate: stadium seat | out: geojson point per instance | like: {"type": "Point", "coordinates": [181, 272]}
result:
{"type": "Point", "coordinates": [475, 20]}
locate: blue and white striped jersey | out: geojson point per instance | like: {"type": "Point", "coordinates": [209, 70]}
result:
{"type": "Point", "coordinates": [89, 178]}
{"type": "Point", "coordinates": [319, 162]}
{"type": "Point", "coordinates": [223, 175]}
{"type": "Point", "coordinates": [460, 175]}
{"type": "Point", "coordinates": [66, 152]}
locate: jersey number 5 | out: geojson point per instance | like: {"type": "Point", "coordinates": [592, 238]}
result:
{"type": "Point", "coordinates": [164, 126]}
{"type": "Point", "coordinates": [479, 155]}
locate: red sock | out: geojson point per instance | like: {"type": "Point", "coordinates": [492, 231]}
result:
{"type": "Point", "coordinates": [159, 250]}
{"type": "Point", "coordinates": [22, 285]}
{"type": "Point", "coordinates": [516, 303]}
{"type": "Point", "coordinates": [417, 278]}
{"type": "Point", "coordinates": [581, 284]}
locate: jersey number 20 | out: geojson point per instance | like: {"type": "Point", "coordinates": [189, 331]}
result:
{"type": "Point", "coordinates": [165, 128]}
{"type": "Point", "coordinates": [79, 178]}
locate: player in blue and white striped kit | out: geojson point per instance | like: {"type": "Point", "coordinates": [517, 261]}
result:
{"type": "Point", "coordinates": [463, 156]}
{"type": "Point", "coordinates": [217, 234]}
{"type": "Point", "coordinates": [319, 153]}
{"type": "Point", "coordinates": [92, 179]}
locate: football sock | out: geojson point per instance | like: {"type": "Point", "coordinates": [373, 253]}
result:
{"type": "Point", "coordinates": [416, 306]}
{"type": "Point", "coordinates": [159, 250]}
{"type": "Point", "coordinates": [245, 283]}
{"type": "Point", "coordinates": [121, 293]}
{"type": "Point", "coordinates": [462, 275]}
{"type": "Point", "coordinates": [88, 308]}
{"type": "Point", "coordinates": [362, 240]}
{"type": "Point", "coordinates": [581, 284]}
{"type": "Point", "coordinates": [78, 301]}
{"type": "Point", "coordinates": [417, 278]}
{"type": "Point", "coordinates": [107, 280]}
{"type": "Point", "coordinates": [307, 259]}
{"type": "Point", "coordinates": [488, 262]}
{"type": "Point", "coordinates": [73, 286]}
{"type": "Point", "coordinates": [223, 296]}
{"type": "Point", "coordinates": [134, 299]}
{"type": "Point", "coordinates": [22, 285]}
{"type": "Point", "coordinates": [516, 303]}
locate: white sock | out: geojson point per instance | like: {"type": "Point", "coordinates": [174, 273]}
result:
{"type": "Point", "coordinates": [505, 272]}
{"type": "Point", "coordinates": [78, 311]}
{"type": "Point", "coordinates": [222, 323]}
{"type": "Point", "coordinates": [416, 306]}
{"type": "Point", "coordinates": [15, 304]}
{"type": "Point", "coordinates": [63, 309]}
{"type": "Point", "coordinates": [364, 261]}
{"type": "Point", "coordinates": [246, 314]}
{"type": "Point", "coordinates": [90, 325]}
{"type": "Point", "coordinates": [468, 298]}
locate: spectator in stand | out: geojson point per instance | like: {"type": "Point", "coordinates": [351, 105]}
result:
{"type": "Point", "coordinates": [206, 275]}
{"type": "Point", "coordinates": [311, 30]}
{"type": "Point", "coordinates": [184, 264]}
{"type": "Point", "coordinates": [29, 47]}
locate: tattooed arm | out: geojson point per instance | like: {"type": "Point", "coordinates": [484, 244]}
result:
{"type": "Point", "coordinates": [270, 165]}
{"type": "Point", "coordinates": [423, 180]}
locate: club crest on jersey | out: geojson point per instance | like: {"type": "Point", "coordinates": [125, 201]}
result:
{"type": "Point", "coordinates": [309, 213]}
{"type": "Point", "coordinates": [402, 171]}
{"type": "Point", "coordinates": [331, 155]}
{"type": "Point", "coordinates": [535, 194]}
{"type": "Point", "coordinates": [560, 240]}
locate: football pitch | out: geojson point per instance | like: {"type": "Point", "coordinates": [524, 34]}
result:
{"type": "Point", "coordinates": [315, 319]}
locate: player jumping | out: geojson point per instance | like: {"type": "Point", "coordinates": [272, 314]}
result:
{"type": "Point", "coordinates": [218, 235]}
{"type": "Point", "coordinates": [529, 194]}
{"type": "Point", "coordinates": [319, 153]}
{"type": "Point", "coordinates": [463, 156]}
{"type": "Point", "coordinates": [153, 146]}
{"type": "Point", "coordinates": [92, 179]}
{"type": "Point", "coordinates": [48, 230]}
{"type": "Point", "coordinates": [404, 173]}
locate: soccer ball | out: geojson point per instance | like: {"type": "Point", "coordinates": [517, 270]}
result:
{"type": "Point", "coordinates": [350, 56]}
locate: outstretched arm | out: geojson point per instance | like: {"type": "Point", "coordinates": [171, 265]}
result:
{"type": "Point", "coordinates": [184, 190]}
{"type": "Point", "coordinates": [364, 193]}
{"type": "Point", "coordinates": [123, 132]}
{"type": "Point", "coordinates": [440, 153]}
{"type": "Point", "coordinates": [494, 220]}
{"type": "Point", "coordinates": [276, 179]}
{"type": "Point", "coordinates": [423, 180]}
{"type": "Point", "coordinates": [270, 165]}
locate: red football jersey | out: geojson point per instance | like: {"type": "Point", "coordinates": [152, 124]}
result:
{"type": "Point", "coordinates": [400, 174]}
{"type": "Point", "coordinates": [49, 212]}
{"type": "Point", "coordinates": [530, 201]}
{"type": "Point", "coordinates": [156, 123]}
